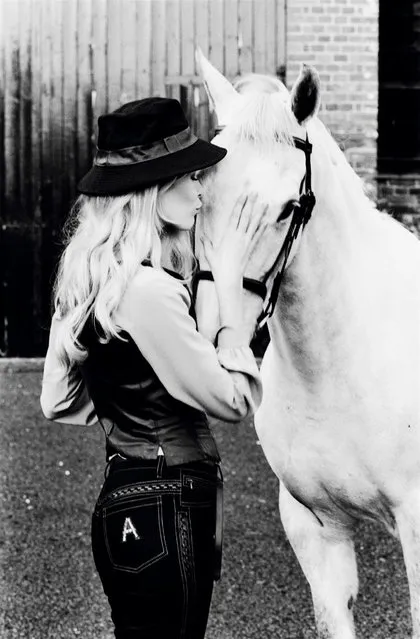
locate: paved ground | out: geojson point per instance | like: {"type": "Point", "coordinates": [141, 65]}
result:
{"type": "Point", "coordinates": [49, 477]}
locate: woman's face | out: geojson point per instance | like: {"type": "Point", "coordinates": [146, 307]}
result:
{"type": "Point", "coordinates": [180, 203]}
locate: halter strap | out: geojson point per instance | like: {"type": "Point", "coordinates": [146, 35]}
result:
{"type": "Point", "coordinates": [301, 215]}
{"type": "Point", "coordinates": [254, 286]}
{"type": "Point", "coordinates": [306, 147]}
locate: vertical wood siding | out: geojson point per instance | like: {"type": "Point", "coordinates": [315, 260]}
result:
{"type": "Point", "coordinates": [62, 64]}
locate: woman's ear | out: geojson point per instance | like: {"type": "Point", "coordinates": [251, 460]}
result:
{"type": "Point", "coordinates": [305, 96]}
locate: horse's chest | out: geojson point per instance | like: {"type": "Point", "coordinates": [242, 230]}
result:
{"type": "Point", "coordinates": [349, 460]}
{"type": "Point", "coordinates": [331, 478]}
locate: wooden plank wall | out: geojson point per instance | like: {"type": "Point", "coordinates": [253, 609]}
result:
{"type": "Point", "coordinates": [63, 63]}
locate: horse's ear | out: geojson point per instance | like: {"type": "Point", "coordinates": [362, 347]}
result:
{"type": "Point", "coordinates": [221, 93]}
{"type": "Point", "coordinates": [305, 95]}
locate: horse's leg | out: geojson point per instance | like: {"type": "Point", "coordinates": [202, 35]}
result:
{"type": "Point", "coordinates": [328, 560]}
{"type": "Point", "coordinates": [408, 522]}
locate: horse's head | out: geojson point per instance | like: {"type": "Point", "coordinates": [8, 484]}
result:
{"type": "Point", "coordinates": [264, 129]}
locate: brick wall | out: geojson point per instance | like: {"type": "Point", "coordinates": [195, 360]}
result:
{"type": "Point", "coordinates": [340, 38]}
{"type": "Point", "coordinates": [399, 195]}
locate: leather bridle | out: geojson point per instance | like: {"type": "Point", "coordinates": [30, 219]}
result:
{"type": "Point", "coordinates": [301, 211]}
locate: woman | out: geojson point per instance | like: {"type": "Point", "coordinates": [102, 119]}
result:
{"type": "Point", "coordinates": [124, 349]}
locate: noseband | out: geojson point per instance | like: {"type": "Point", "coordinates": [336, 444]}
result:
{"type": "Point", "coordinates": [301, 214]}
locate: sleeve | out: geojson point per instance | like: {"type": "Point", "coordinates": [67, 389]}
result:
{"type": "Point", "coordinates": [64, 396]}
{"type": "Point", "coordinates": [224, 383]}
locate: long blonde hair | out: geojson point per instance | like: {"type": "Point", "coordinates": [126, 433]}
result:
{"type": "Point", "coordinates": [107, 239]}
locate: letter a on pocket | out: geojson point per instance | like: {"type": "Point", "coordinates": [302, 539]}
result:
{"type": "Point", "coordinates": [129, 529]}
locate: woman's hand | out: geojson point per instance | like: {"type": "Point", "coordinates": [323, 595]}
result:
{"type": "Point", "coordinates": [228, 257]}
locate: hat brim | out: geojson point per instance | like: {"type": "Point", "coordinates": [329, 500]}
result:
{"type": "Point", "coordinates": [117, 180]}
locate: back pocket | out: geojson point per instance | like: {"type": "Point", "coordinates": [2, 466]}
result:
{"type": "Point", "coordinates": [134, 533]}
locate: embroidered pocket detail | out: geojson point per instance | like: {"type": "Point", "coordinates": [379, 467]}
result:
{"type": "Point", "coordinates": [134, 533]}
{"type": "Point", "coordinates": [186, 550]}
{"type": "Point", "coordinates": [129, 529]}
{"type": "Point", "coordinates": [171, 487]}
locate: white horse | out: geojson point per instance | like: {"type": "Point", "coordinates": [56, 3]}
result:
{"type": "Point", "coordinates": [340, 418]}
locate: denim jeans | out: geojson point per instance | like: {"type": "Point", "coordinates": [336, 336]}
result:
{"type": "Point", "coordinates": [153, 541]}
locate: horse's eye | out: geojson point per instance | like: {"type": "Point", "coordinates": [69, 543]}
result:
{"type": "Point", "coordinates": [288, 210]}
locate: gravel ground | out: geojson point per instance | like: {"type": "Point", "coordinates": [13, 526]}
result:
{"type": "Point", "coordinates": [49, 477]}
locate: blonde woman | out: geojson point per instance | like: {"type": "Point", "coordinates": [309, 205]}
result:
{"type": "Point", "coordinates": [124, 350]}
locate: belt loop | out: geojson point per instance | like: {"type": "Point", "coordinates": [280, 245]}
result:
{"type": "Point", "coordinates": [108, 464]}
{"type": "Point", "coordinates": [106, 471]}
{"type": "Point", "coordinates": [161, 460]}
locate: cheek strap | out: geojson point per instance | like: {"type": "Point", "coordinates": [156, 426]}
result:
{"type": "Point", "coordinates": [302, 212]}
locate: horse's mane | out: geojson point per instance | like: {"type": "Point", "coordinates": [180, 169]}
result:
{"type": "Point", "coordinates": [320, 137]}
{"type": "Point", "coordinates": [264, 118]}
{"type": "Point", "coordinates": [257, 82]}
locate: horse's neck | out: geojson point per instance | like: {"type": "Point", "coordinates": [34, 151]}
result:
{"type": "Point", "coordinates": [326, 316]}
{"type": "Point", "coordinates": [309, 311]}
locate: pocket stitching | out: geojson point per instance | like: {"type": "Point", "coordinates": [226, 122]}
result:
{"type": "Point", "coordinates": [139, 489]}
{"type": "Point", "coordinates": [143, 566]}
{"type": "Point", "coordinates": [206, 484]}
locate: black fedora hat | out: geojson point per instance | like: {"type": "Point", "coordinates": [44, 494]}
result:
{"type": "Point", "coordinates": [143, 143]}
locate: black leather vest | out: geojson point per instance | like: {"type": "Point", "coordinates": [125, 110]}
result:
{"type": "Point", "coordinates": [135, 410]}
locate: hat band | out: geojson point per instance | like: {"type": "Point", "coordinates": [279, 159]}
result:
{"type": "Point", "coordinates": [146, 152]}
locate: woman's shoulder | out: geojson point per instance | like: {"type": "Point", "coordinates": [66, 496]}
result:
{"type": "Point", "coordinates": [147, 277]}
{"type": "Point", "coordinates": [152, 297]}
{"type": "Point", "coordinates": [155, 284]}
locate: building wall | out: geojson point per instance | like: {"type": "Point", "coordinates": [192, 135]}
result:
{"type": "Point", "coordinates": [62, 64]}
{"type": "Point", "coordinates": [340, 38]}
{"type": "Point", "coordinates": [400, 196]}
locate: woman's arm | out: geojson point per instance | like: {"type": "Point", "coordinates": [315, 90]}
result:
{"type": "Point", "coordinates": [223, 382]}
{"type": "Point", "coordinates": [64, 397]}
